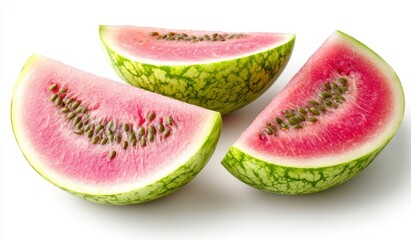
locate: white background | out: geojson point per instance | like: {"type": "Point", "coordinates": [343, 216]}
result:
{"type": "Point", "coordinates": [375, 204]}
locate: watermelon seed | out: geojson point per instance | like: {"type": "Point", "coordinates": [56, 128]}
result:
{"type": "Point", "coordinates": [75, 105]}
{"type": "Point", "coordinates": [321, 107]}
{"type": "Point", "coordinates": [118, 138]}
{"type": "Point", "coordinates": [151, 116]}
{"type": "Point", "coordinates": [90, 133]}
{"type": "Point", "coordinates": [153, 33]}
{"type": "Point", "coordinates": [284, 125]}
{"type": "Point", "coordinates": [150, 136]}
{"type": "Point", "coordinates": [293, 121]}
{"type": "Point", "coordinates": [160, 127]}
{"type": "Point", "coordinates": [302, 110]}
{"type": "Point", "coordinates": [63, 91]}
{"type": "Point", "coordinates": [314, 111]}
{"type": "Point", "coordinates": [327, 86]}
{"type": "Point", "coordinates": [288, 115]}
{"type": "Point", "coordinates": [95, 139]}
{"type": "Point", "coordinates": [79, 131]}
{"type": "Point", "coordinates": [53, 87]}
{"type": "Point", "coordinates": [278, 120]}
{"type": "Point", "coordinates": [143, 142]}
{"type": "Point", "coordinates": [99, 127]}
{"type": "Point", "coordinates": [125, 145]}
{"type": "Point", "coordinates": [111, 137]}
{"type": "Point", "coordinates": [68, 100]}
{"type": "Point", "coordinates": [297, 126]}
{"type": "Point", "coordinates": [79, 125]}
{"type": "Point", "coordinates": [110, 125]}
{"type": "Point", "coordinates": [152, 129]}
{"type": "Point", "coordinates": [71, 115]}
{"type": "Point", "coordinates": [141, 131]}
{"type": "Point", "coordinates": [53, 98]}
{"type": "Point", "coordinates": [313, 102]}
{"type": "Point", "coordinates": [170, 120]}
{"type": "Point", "coordinates": [167, 132]}
{"type": "Point", "coordinates": [328, 103]}
{"type": "Point", "coordinates": [343, 81]}
{"type": "Point", "coordinates": [134, 142]}
{"type": "Point", "coordinates": [344, 88]}
{"type": "Point", "coordinates": [312, 119]}
{"type": "Point", "coordinates": [77, 120]}
{"type": "Point", "coordinates": [325, 95]}
{"type": "Point", "coordinates": [126, 127]}
{"type": "Point", "coordinates": [269, 130]}
{"type": "Point", "coordinates": [104, 141]}
{"type": "Point", "coordinates": [112, 155]}
{"type": "Point", "coordinates": [300, 116]}
{"type": "Point", "coordinates": [65, 110]}
{"type": "Point", "coordinates": [132, 136]}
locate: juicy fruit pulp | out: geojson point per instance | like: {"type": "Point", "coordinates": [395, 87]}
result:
{"type": "Point", "coordinates": [106, 141]}
{"type": "Point", "coordinates": [219, 71]}
{"type": "Point", "coordinates": [331, 120]}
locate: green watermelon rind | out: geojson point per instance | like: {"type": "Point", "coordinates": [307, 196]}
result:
{"type": "Point", "coordinates": [291, 180]}
{"type": "Point", "coordinates": [288, 180]}
{"type": "Point", "coordinates": [160, 188]}
{"type": "Point", "coordinates": [223, 86]}
{"type": "Point", "coordinates": [166, 185]}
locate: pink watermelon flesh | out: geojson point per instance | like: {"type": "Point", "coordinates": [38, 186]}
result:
{"type": "Point", "coordinates": [365, 119]}
{"type": "Point", "coordinates": [71, 159]}
{"type": "Point", "coordinates": [150, 48]}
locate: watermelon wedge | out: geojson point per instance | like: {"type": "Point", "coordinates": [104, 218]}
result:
{"type": "Point", "coordinates": [106, 141]}
{"type": "Point", "coordinates": [331, 120]}
{"type": "Point", "coordinates": [215, 70]}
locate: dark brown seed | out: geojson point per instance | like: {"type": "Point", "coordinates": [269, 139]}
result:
{"type": "Point", "coordinates": [302, 110]}
{"type": "Point", "coordinates": [312, 119]}
{"type": "Point", "coordinates": [53, 87]}
{"type": "Point", "coordinates": [75, 105]}
{"type": "Point", "coordinates": [297, 126]}
{"type": "Point", "coordinates": [68, 100]}
{"type": "Point", "coordinates": [343, 81]}
{"type": "Point", "coordinates": [314, 111]}
{"type": "Point", "coordinates": [171, 34]}
{"type": "Point", "coordinates": [65, 110]}
{"type": "Point", "coordinates": [84, 110]}
{"type": "Point", "coordinates": [344, 88]}
{"type": "Point", "coordinates": [77, 120]}
{"type": "Point", "coordinates": [206, 37]}
{"type": "Point", "coordinates": [322, 108]}
{"type": "Point", "coordinates": [300, 116]}
{"type": "Point", "coordinates": [90, 133]}
{"type": "Point", "coordinates": [152, 129]}
{"type": "Point", "coordinates": [125, 145]}
{"type": "Point", "coordinates": [87, 128]}
{"type": "Point", "coordinates": [327, 86]}
{"type": "Point", "coordinates": [269, 130]}
{"type": "Point", "coordinates": [288, 115]}
{"type": "Point", "coordinates": [118, 137]}
{"type": "Point", "coordinates": [153, 34]}
{"type": "Point", "coordinates": [71, 115]}
{"type": "Point", "coordinates": [104, 141]}
{"type": "Point", "coordinates": [327, 103]}
{"type": "Point", "coordinates": [53, 98]}
{"type": "Point", "coordinates": [214, 35]}
{"type": "Point", "coordinates": [313, 102]}
{"type": "Point", "coordinates": [278, 120]}
{"type": "Point", "coordinates": [126, 127]}
{"type": "Point", "coordinates": [141, 131]}
{"type": "Point", "coordinates": [325, 95]}
{"type": "Point", "coordinates": [160, 127]}
{"type": "Point", "coordinates": [143, 142]}
{"type": "Point", "coordinates": [79, 125]}
{"type": "Point", "coordinates": [150, 137]}
{"type": "Point", "coordinates": [293, 120]}
{"type": "Point", "coordinates": [151, 116]}
{"type": "Point", "coordinates": [112, 155]}
{"type": "Point", "coordinates": [58, 100]}
{"type": "Point", "coordinates": [95, 139]}
{"type": "Point", "coordinates": [166, 132]}
{"type": "Point", "coordinates": [79, 131]}
{"type": "Point", "coordinates": [134, 142]}
{"type": "Point", "coordinates": [62, 91]}
{"type": "Point", "coordinates": [99, 127]}
{"type": "Point", "coordinates": [170, 120]}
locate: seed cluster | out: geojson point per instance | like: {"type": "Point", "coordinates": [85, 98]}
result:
{"type": "Point", "coordinates": [330, 97]}
{"type": "Point", "coordinates": [172, 36]}
{"type": "Point", "coordinates": [104, 132]}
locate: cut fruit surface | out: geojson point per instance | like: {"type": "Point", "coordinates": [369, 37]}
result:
{"type": "Point", "coordinates": [106, 141]}
{"type": "Point", "coordinates": [216, 70]}
{"type": "Point", "coordinates": [332, 119]}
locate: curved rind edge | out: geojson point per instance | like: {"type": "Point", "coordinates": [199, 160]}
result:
{"type": "Point", "coordinates": [292, 180]}
{"type": "Point", "coordinates": [220, 86]}
{"type": "Point", "coordinates": [168, 184]}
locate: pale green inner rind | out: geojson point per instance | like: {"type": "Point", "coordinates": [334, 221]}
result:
{"type": "Point", "coordinates": [292, 180]}
{"type": "Point", "coordinates": [167, 183]}
{"type": "Point", "coordinates": [221, 86]}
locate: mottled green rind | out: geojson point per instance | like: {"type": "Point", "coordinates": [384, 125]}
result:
{"type": "Point", "coordinates": [221, 86]}
{"type": "Point", "coordinates": [292, 180]}
{"type": "Point", "coordinates": [160, 188]}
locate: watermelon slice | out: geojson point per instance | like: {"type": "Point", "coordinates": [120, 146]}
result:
{"type": "Point", "coordinates": [215, 70]}
{"type": "Point", "coordinates": [332, 119]}
{"type": "Point", "coordinates": [106, 141]}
